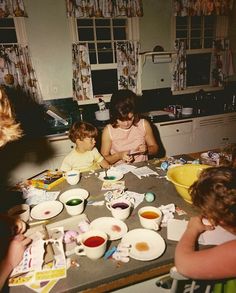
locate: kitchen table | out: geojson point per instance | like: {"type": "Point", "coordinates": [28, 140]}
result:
{"type": "Point", "coordinates": [107, 275]}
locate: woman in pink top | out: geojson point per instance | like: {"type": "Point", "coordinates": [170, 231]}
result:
{"type": "Point", "coordinates": [127, 138]}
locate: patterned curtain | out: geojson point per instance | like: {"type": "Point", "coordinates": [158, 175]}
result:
{"type": "Point", "coordinates": [221, 62]}
{"type": "Point", "coordinates": [16, 69]}
{"type": "Point", "coordinates": [127, 64]}
{"type": "Point", "coordinates": [82, 85]}
{"type": "Point", "coordinates": [180, 68]}
{"type": "Point", "coordinates": [202, 7]}
{"type": "Point", "coordinates": [104, 8]}
{"type": "Point", "coordinates": [9, 8]}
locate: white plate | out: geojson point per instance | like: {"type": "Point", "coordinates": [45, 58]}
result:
{"type": "Point", "coordinates": [75, 192]}
{"type": "Point", "coordinates": [114, 228]}
{"type": "Point", "coordinates": [115, 175]}
{"type": "Point", "coordinates": [46, 210]}
{"type": "Point", "coordinates": [145, 244]}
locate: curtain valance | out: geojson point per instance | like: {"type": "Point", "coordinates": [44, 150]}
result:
{"type": "Point", "coordinates": [104, 8]}
{"type": "Point", "coordinates": [202, 7]}
{"type": "Point", "coordinates": [12, 8]}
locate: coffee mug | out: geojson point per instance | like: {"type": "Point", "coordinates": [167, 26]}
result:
{"type": "Point", "coordinates": [74, 205]}
{"type": "Point", "coordinates": [120, 208]}
{"type": "Point", "coordinates": [92, 244]}
{"type": "Point", "coordinates": [150, 217]}
{"type": "Point", "coordinates": [20, 211]}
{"type": "Point", "coordinates": [72, 176]}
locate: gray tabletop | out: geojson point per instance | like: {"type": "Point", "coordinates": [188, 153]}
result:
{"type": "Point", "coordinates": [94, 274]}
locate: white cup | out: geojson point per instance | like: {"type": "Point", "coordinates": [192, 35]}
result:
{"type": "Point", "coordinates": [20, 211]}
{"type": "Point", "coordinates": [120, 208]}
{"type": "Point", "coordinates": [72, 176]}
{"type": "Point", "coordinates": [92, 244]}
{"type": "Point", "coordinates": [74, 205]}
{"type": "Point", "coordinates": [150, 217]}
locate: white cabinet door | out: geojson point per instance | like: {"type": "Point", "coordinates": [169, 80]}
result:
{"type": "Point", "coordinates": [61, 148]}
{"type": "Point", "coordinates": [176, 136]}
{"type": "Point", "coordinates": [214, 131]}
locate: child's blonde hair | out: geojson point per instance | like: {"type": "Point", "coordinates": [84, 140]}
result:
{"type": "Point", "coordinates": [81, 130]}
{"type": "Point", "coordinates": [9, 129]}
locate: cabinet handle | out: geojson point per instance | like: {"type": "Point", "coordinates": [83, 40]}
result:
{"type": "Point", "coordinates": [177, 130]}
{"type": "Point", "coordinates": [71, 146]}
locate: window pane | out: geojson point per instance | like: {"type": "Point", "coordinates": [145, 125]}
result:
{"type": "Point", "coordinates": [8, 36]}
{"type": "Point", "coordinates": [196, 33]}
{"type": "Point", "coordinates": [102, 22]}
{"type": "Point", "coordinates": [208, 33]}
{"type": "Point", "coordinates": [7, 22]}
{"type": "Point", "coordinates": [119, 33]}
{"type": "Point", "coordinates": [92, 53]}
{"type": "Point", "coordinates": [86, 34]}
{"type": "Point", "coordinates": [195, 44]}
{"type": "Point", "coordinates": [104, 81]}
{"type": "Point", "coordinates": [103, 34]}
{"type": "Point", "coordinates": [181, 21]}
{"type": "Point", "coordinates": [105, 53]}
{"type": "Point", "coordinates": [84, 22]}
{"type": "Point", "coordinates": [119, 22]}
{"type": "Point", "coordinates": [181, 34]}
{"type": "Point", "coordinates": [198, 69]}
{"type": "Point", "coordinates": [195, 21]}
{"type": "Point", "coordinates": [208, 43]}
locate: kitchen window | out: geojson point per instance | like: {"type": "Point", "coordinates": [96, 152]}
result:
{"type": "Point", "coordinates": [101, 35]}
{"type": "Point", "coordinates": [198, 34]}
{"type": "Point", "coordinates": [12, 31]}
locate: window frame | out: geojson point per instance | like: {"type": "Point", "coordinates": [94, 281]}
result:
{"type": "Point", "coordinates": [20, 30]}
{"type": "Point", "coordinates": [133, 34]}
{"type": "Point", "coordinates": [221, 31]}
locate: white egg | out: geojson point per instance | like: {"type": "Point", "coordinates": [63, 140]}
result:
{"type": "Point", "coordinates": [149, 196]}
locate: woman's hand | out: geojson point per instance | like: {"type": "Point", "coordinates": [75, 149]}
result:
{"type": "Point", "coordinates": [16, 250]}
{"type": "Point", "coordinates": [126, 157]}
{"type": "Point", "coordinates": [142, 148]}
{"type": "Point", "coordinates": [196, 226]}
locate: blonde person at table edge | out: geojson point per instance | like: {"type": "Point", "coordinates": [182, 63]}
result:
{"type": "Point", "coordinates": [127, 133]}
{"type": "Point", "coordinates": [215, 195]}
{"type": "Point", "coordinates": [12, 241]}
{"type": "Point", "coordinates": [85, 156]}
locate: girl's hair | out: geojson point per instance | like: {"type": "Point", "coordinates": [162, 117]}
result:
{"type": "Point", "coordinates": [9, 129]}
{"type": "Point", "coordinates": [122, 103]}
{"type": "Point", "coordinates": [215, 194]}
{"type": "Point", "coordinates": [81, 130]}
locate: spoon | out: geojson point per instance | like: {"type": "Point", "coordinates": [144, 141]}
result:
{"type": "Point", "coordinates": [108, 177]}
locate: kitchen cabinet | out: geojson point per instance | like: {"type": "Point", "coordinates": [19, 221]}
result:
{"type": "Point", "coordinates": [176, 136]}
{"type": "Point", "coordinates": [198, 134]}
{"type": "Point", "coordinates": [214, 131]}
{"type": "Point", "coordinates": [61, 146]}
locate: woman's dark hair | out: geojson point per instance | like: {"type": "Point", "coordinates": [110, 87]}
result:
{"type": "Point", "coordinates": [215, 194]}
{"type": "Point", "coordinates": [81, 130]}
{"type": "Point", "coordinates": [122, 103]}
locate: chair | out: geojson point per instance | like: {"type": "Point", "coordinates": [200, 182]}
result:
{"type": "Point", "coordinates": [190, 288]}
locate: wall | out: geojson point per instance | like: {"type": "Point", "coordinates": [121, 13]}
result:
{"type": "Point", "coordinates": [50, 44]}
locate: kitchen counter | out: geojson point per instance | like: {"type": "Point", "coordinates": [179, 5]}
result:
{"type": "Point", "coordinates": [106, 275]}
{"type": "Point", "coordinates": [63, 131]}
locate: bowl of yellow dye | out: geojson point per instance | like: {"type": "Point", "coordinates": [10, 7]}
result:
{"type": "Point", "coordinates": [183, 177]}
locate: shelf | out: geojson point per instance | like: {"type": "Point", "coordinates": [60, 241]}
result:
{"type": "Point", "coordinates": [157, 57]}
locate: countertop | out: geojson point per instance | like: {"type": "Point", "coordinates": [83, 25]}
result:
{"type": "Point", "coordinates": [55, 132]}
{"type": "Point", "coordinates": [105, 275]}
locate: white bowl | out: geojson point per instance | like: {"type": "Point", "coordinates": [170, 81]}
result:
{"type": "Point", "coordinates": [187, 111]}
{"type": "Point", "coordinates": [73, 193]}
{"type": "Point", "coordinates": [102, 115]}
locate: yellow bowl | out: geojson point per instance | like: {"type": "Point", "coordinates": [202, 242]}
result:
{"type": "Point", "coordinates": [183, 177]}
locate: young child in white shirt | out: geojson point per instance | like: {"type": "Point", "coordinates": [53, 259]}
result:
{"type": "Point", "coordinates": [85, 156]}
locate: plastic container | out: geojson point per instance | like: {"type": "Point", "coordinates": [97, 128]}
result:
{"type": "Point", "coordinates": [102, 115]}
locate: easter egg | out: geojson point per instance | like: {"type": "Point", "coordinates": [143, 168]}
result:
{"type": "Point", "coordinates": [149, 196]}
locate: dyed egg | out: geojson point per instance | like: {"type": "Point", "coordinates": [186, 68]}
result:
{"type": "Point", "coordinates": [149, 196]}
